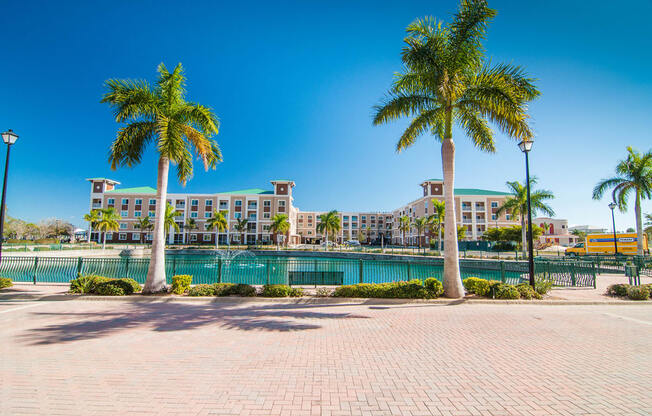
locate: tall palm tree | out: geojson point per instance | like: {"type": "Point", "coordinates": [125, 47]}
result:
{"type": "Point", "coordinates": [446, 81]}
{"type": "Point", "coordinates": [218, 223]}
{"type": "Point", "coordinates": [159, 114]}
{"type": "Point", "coordinates": [420, 224]}
{"type": "Point", "coordinates": [634, 173]}
{"type": "Point", "coordinates": [404, 225]}
{"type": "Point", "coordinates": [280, 225]}
{"type": "Point", "coordinates": [241, 226]}
{"type": "Point", "coordinates": [517, 204]}
{"type": "Point", "coordinates": [92, 218]}
{"type": "Point", "coordinates": [329, 223]}
{"type": "Point", "coordinates": [169, 220]}
{"type": "Point", "coordinates": [190, 225]}
{"type": "Point", "coordinates": [145, 225]}
{"type": "Point", "coordinates": [437, 218]}
{"type": "Point", "coordinates": [108, 221]}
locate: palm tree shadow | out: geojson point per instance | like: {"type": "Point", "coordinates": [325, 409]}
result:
{"type": "Point", "coordinates": [166, 317]}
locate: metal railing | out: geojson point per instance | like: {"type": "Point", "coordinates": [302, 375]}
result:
{"type": "Point", "coordinates": [287, 270]}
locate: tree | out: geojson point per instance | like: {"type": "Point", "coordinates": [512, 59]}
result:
{"type": "Point", "coordinates": [461, 232]}
{"type": "Point", "coordinates": [329, 223]}
{"type": "Point", "coordinates": [634, 173]}
{"type": "Point", "coordinates": [581, 235]}
{"type": "Point", "coordinates": [108, 222]}
{"type": "Point", "coordinates": [145, 225]}
{"type": "Point", "coordinates": [437, 218]}
{"type": "Point", "coordinates": [546, 227]}
{"type": "Point", "coordinates": [241, 226]}
{"type": "Point", "coordinates": [404, 226]}
{"type": "Point", "coordinates": [159, 114]}
{"type": "Point", "coordinates": [446, 81]}
{"type": "Point", "coordinates": [420, 224]}
{"type": "Point", "coordinates": [169, 221]}
{"type": "Point", "coordinates": [218, 223]}
{"type": "Point", "coordinates": [648, 228]}
{"type": "Point", "coordinates": [362, 235]}
{"type": "Point", "coordinates": [280, 225]}
{"type": "Point", "coordinates": [517, 204]}
{"type": "Point", "coordinates": [92, 218]}
{"type": "Point", "coordinates": [190, 225]}
{"type": "Point", "coordinates": [57, 228]}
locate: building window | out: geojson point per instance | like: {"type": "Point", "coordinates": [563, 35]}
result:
{"type": "Point", "coordinates": [252, 217]}
{"type": "Point", "coordinates": [151, 214]}
{"type": "Point", "coordinates": [508, 217]}
{"type": "Point", "coordinates": [354, 218]}
{"type": "Point", "coordinates": [193, 237]}
{"type": "Point", "coordinates": [125, 201]}
{"type": "Point", "coordinates": [345, 218]}
{"type": "Point", "coordinates": [109, 236]}
{"type": "Point", "coordinates": [252, 205]}
{"type": "Point", "coordinates": [194, 202]}
{"type": "Point", "coordinates": [139, 202]}
{"type": "Point", "coordinates": [135, 236]}
{"type": "Point", "coordinates": [123, 225]}
{"type": "Point", "coordinates": [209, 202]}
{"type": "Point", "coordinates": [237, 215]}
{"type": "Point", "coordinates": [137, 214]}
{"type": "Point", "coordinates": [364, 217]}
{"type": "Point", "coordinates": [266, 227]}
{"type": "Point", "coordinates": [267, 203]}
{"type": "Point", "coordinates": [152, 201]}
{"type": "Point", "coordinates": [281, 203]}
{"type": "Point", "coordinates": [494, 204]}
{"type": "Point", "coordinates": [124, 213]}
{"type": "Point", "coordinates": [208, 214]}
{"type": "Point", "coordinates": [224, 204]}
{"type": "Point", "coordinates": [207, 237]}
{"type": "Point", "coordinates": [238, 203]}
{"type": "Point", "coordinates": [193, 215]}
{"type": "Point", "coordinates": [266, 215]}
{"type": "Point", "coordinates": [110, 201]}
{"type": "Point", "coordinates": [149, 237]}
{"type": "Point", "coordinates": [494, 217]}
{"type": "Point", "coordinates": [122, 236]}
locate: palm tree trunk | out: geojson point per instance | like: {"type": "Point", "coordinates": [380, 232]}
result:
{"type": "Point", "coordinates": [639, 224]}
{"type": "Point", "coordinates": [452, 281]}
{"type": "Point", "coordinates": [523, 235]}
{"type": "Point", "coordinates": [90, 231]}
{"type": "Point", "coordinates": [156, 273]}
{"type": "Point", "coordinates": [104, 241]}
{"type": "Point", "coordinates": [439, 239]}
{"type": "Point", "coordinates": [217, 244]}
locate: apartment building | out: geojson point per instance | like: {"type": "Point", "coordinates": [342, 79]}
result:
{"type": "Point", "coordinates": [475, 210]}
{"type": "Point", "coordinates": [555, 232]}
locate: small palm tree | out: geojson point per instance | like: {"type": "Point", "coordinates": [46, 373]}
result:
{"type": "Point", "coordinates": [362, 235]}
{"type": "Point", "coordinates": [145, 225]}
{"type": "Point", "coordinates": [241, 226]}
{"type": "Point", "coordinates": [190, 225]}
{"type": "Point", "coordinates": [634, 173]}
{"type": "Point", "coordinates": [218, 223]}
{"type": "Point", "coordinates": [546, 227]}
{"type": "Point", "coordinates": [330, 223]}
{"type": "Point", "coordinates": [447, 81]}
{"type": "Point", "coordinates": [108, 221]}
{"type": "Point", "coordinates": [280, 225]}
{"type": "Point", "coordinates": [421, 225]}
{"type": "Point", "coordinates": [160, 115]}
{"type": "Point", "coordinates": [517, 204]}
{"type": "Point", "coordinates": [92, 218]}
{"type": "Point", "coordinates": [437, 218]}
{"type": "Point", "coordinates": [170, 219]}
{"type": "Point", "coordinates": [404, 226]}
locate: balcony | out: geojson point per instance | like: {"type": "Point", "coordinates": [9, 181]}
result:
{"type": "Point", "coordinates": [479, 207]}
{"type": "Point", "coordinates": [97, 205]}
{"type": "Point", "coordinates": [467, 221]}
{"type": "Point", "coordinates": [466, 207]}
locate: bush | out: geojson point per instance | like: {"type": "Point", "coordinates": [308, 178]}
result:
{"type": "Point", "coordinates": [280, 291]}
{"type": "Point", "coordinates": [202, 290]}
{"type": "Point", "coordinates": [112, 288]}
{"type": "Point", "coordinates": [434, 287]}
{"type": "Point", "coordinates": [413, 289]}
{"type": "Point", "coordinates": [619, 289]}
{"type": "Point", "coordinates": [481, 287]}
{"type": "Point", "coordinates": [134, 284]}
{"type": "Point", "coordinates": [241, 290]}
{"type": "Point", "coordinates": [527, 292]}
{"type": "Point", "coordinates": [503, 291]}
{"type": "Point", "coordinates": [5, 282]}
{"type": "Point", "coordinates": [323, 292]}
{"type": "Point", "coordinates": [470, 282]}
{"type": "Point", "coordinates": [638, 293]}
{"type": "Point", "coordinates": [181, 283]}
{"type": "Point", "coordinates": [87, 283]}
{"type": "Point", "coordinates": [223, 289]}
{"type": "Point", "coordinates": [542, 286]}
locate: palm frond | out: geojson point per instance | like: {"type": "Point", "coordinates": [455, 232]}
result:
{"type": "Point", "coordinates": [130, 99]}
{"type": "Point", "coordinates": [427, 120]}
{"type": "Point", "coordinates": [477, 128]}
{"type": "Point", "coordinates": [468, 30]}
{"type": "Point", "coordinates": [605, 184]}
{"type": "Point", "coordinates": [399, 105]}
{"type": "Point", "coordinates": [130, 142]}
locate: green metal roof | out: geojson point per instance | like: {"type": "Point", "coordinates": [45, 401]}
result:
{"type": "Point", "coordinates": [253, 191]}
{"type": "Point", "coordinates": [138, 190]}
{"type": "Point", "coordinates": [434, 180]}
{"type": "Point", "coordinates": [474, 191]}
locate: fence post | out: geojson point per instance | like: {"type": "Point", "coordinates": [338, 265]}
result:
{"type": "Point", "coordinates": [79, 265]}
{"type": "Point", "coordinates": [219, 271]}
{"type": "Point", "coordinates": [267, 271]}
{"type": "Point", "coordinates": [502, 271]}
{"type": "Point", "coordinates": [594, 277]}
{"type": "Point", "coordinates": [573, 274]}
{"type": "Point", "coordinates": [361, 271]}
{"type": "Point", "coordinates": [35, 266]}
{"type": "Point", "coordinates": [409, 271]}
{"type": "Point", "coordinates": [126, 266]}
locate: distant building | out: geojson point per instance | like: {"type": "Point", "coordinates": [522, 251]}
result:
{"type": "Point", "coordinates": [588, 229]}
{"type": "Point", "coordinates": [555, 231]}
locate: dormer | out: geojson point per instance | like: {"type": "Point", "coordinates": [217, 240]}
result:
{"type": "Point", "coordinates": [433, 187]}
{"type": "Point", "coordinates": [283, 187]}
{"type": "Point", "coordinates": [101, 185]}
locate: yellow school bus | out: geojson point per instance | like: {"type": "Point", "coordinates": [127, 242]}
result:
{"type": "Point", "coordinates": [603, 244]}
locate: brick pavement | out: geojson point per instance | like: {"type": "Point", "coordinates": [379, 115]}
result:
{"type": "Point", "coordinates": [201, 358]}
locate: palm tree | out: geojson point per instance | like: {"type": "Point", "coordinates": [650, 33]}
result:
{"type": "Point", "coordinates": [420, 224]}
{"type": "Point", "coordinates": [169, 220]}
{"type": "Point", "coordinates": [280, 225]}
{"type": "Point", "coordinates": [144, 224]}
{"type": "Point", "coordinates": [362, 235]}
{"type": "Point", "coordinates": [218, 223]}
{"type": "Point", "coordinates": [633, 174]}
{"type": "Point", "coordinates": [404, 226]}
{"type": "Point", "coordinates": [446, 81]}
{"type": "Point", "coordinates": [108, 221]}
{"type": "Point", "coordinates": [190, 225]}
{"type": "Point", "coordinates": [546, 227]}
{"type": "Point", "coordinates": [329, 223]}
{"type": "Point", "coordinates": [517, 204]}
{"type": "Point", "coordinates": [92, 218]}
{"type": "Point", "coordinates": [160, 114]}
{"type": "Point", "coordinates": [437, 218]}
{"type": "Point", "coordinates": [241, 226]}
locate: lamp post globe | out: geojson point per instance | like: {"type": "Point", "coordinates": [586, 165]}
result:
{"type": "Point", "coordinates": [9, 137]}
{"type": "Point", "coordinates": [525, 146]}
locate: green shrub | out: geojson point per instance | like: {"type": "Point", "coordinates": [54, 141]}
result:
{"type": "Point", "coordinates": [296, 292]}
{"type": "Point", "coordinates": [181, 283]}
{"type": "Point", "coordinates": [504, 291]}
{"type": "Point", "coordinates": [414, 289]}
{"type": "Point", "coordinates": [202, 290]}
{"type": "Point", "coordinates": [134, 284]}
{"type": "Point", "coordinates": [280, 291]}
{"type": "Point", "coordinates": [542, 286]}
{"type": "Point", "coordinates": [323, 292]}
{"type": "Point", "coordinates": [223, 289]}
{"type": "Point", "coordinates": [242, 290]}
{"type": "Point", "coordinates": [42, 249]}
{"type": "Point", "coordinates": [638, 293]}
{"type": "Point", "coordinates": [87, 283]}
{"type": "Point", "coordinates": [481, 287]}
{"type": "Point", "coordinates": [527, 292]}
{"type": "Point", "coordinates": [470, 282]}
{"type": "Point", "coordinates": [619, 289]}
{"type": "Point", "coordinates": [5, 282]}
{"type": "Point", "coordinates": [434, 287]}
{"type": "Point", "coordinates": [113, 288]}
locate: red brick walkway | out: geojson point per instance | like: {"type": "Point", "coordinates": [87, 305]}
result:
{"type": "Point", "coordinates": [112, 357]}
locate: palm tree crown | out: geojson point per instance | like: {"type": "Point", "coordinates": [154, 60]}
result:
{"type": "Point", "coordinates": [218, 223]}
{"type": "Point", "coordinates": [280, 224]}
{"type": "Point", "coordinates": [170, 218]}
{"type": "Point", "coordinates": [329, 223]}
{"type": "Point", "coordinates": [108, 221]}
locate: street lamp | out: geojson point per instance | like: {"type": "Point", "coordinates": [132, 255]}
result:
{"type": "Point", "coordinates": [9, 137]}
{"type": "Point", "coordinates": [526, 146]}
{"type": "Point", "coordinates": [613, 206]}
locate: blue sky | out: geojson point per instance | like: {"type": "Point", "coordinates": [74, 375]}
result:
{"type": "Point", "coordinates": [293, 83]}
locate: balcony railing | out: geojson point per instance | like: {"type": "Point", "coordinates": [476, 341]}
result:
{"type": "Point", "coordinates": [467, 221]}
{"type": "Point", "coordinates": [466, 207]}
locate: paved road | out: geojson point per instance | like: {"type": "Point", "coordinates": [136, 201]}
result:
{"type": "Point", "coordinates": [111, 357]}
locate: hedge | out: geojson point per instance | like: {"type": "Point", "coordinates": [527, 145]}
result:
{"type": "Point", "coordinates": [281, 291]}
{"type": "Point", "coordinates": [105, 286]}
{"type": "Point", "coordinates": [5, 282]}
{"type": "Point", "coordinates": [413, 289]}
{"type": "Point", "coordinates": [181, 283]}
{"type": "Point", "coordinates": [222, 289]}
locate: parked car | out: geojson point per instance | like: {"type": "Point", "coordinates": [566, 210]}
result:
{"type": "Point", "coordinates": [328, 244]}
{"type": "Point", "coordinates": [352, 243]}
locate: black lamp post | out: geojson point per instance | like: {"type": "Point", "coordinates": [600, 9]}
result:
{"type": "Point", "coordinates": [9, 137]}
{"type": "Point", "coordinates": [613, 206]}
{"type": "Point", "coordinates": [526, 146]}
